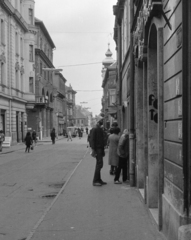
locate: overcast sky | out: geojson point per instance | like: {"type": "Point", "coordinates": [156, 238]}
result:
{"type": "Point", "coordinates": [81, 31]}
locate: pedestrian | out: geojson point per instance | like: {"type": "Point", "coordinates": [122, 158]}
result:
{"type": "Point", "coordinates": [53, 135]}
{"type": "Point", "coordinates": [34, 138]}
{"type": "Point", "coordinates": [89, 139]}
{"type": "Point", "coordinates": [79, 133]}
{"type": "Point", "coordinates": [2, 139]}
{"type": "Point", "coordinates": [97, 145]}
{"type": "Point", "coordinates": [69, 135]}
{"type": "Point", "coordinates": [113, 158]}
{"type": "Point", "coordinates": [87, 130]}
{"type": "Point", "coordinates": [28, 142]}
{"type": "Point", "coordinates": [64, 132]}
{"type": "Point", "coordinates": [82, 131]}
{"type": "Point", "coordinates": [123, 153]}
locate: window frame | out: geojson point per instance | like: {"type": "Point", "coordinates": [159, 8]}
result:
{"type": "Point", "coordinates": [31, 53]}
{"type": "Point", "coordinates": [30, 12]}
{"type": "Point", "coordinates": [31, 86]}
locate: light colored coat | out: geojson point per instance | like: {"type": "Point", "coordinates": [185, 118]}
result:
{"type": "Point", "coordinates": [113, 140]}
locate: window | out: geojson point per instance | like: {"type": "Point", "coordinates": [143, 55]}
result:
{"type": "Point", "coordinates": [2, 80]}
{"type": "Point", "coordinates": [40, 68]}
{"type": "Point", "coordinates": [22, 83]}
{"type": "Point", "coordinates": [45, 48]}
{"type": "Point", "coordinates": [21, 47]}
{"type": "Point", "coordinates": [31, 85]}
{"type": "Point", "coordinates": [17, 79]}
{"type": "Point", "coordinates": [16, 43]}
{"type": "Point", "coordinates": [2, 32]}
{"type": "Point", "coordinates": [31, 53]}
{"type": "Point", "coordinates": [21, 9]}
{"type": "Point", "coordinates": [30, 16]}
{"type": "Point", "coordinates": [112, 97]}
{"type": "Point", "coordinates": [41, 43]}
{"type": "Point", "coordinates": [16, 4]}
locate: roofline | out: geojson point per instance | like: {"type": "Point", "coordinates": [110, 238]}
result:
{"type": "Point", "coordinates": [42, 26]}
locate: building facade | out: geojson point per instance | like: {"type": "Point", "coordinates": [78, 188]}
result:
{"type": "Point", "coordinates": [70, 105]}
{"type": "Point", "coordinates": [40, 116]}
{"type": "Point", "coordinates": [109, 101]}
{"type": "Point", "coordinates": [17, 60]}
{"type": "Point", "coordinates": [153, 56]}
{"type": "Point", "coordinates": [59, 103]}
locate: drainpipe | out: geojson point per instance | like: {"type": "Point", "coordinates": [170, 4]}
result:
{"type": "Point", "coordinates": [186, 102]}
{"type": "Point", "coordinates": [131, 130]}
{"type": "Point", "coordinates": [9, 76]}
{"type": "Point", "coordinates": [119, 69]}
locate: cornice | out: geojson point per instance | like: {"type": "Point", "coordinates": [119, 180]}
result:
{"type": "Point", "coordinates": [15, 14]}
{"type": "Point", "coordinates": [40, 53]}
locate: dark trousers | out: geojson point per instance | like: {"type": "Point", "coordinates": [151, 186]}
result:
{"type": "Point", "coordinates": [121, 166]}
{"type": "Point", "coordinates": [99, 165]}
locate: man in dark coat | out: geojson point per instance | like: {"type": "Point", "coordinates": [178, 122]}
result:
{"type": "Point", "coordinates": [97, 145]}
{"type": "Point", "coordinates": [53, 135]}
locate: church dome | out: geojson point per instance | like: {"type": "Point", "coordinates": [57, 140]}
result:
{"type": "Point", "coordinates": [108, 60]}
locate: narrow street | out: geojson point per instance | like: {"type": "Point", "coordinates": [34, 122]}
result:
{"type": "Point", "coordinates": [29, 182]}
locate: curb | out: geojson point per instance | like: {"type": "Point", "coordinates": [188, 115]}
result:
{"type": "Point", "coordinates": [23, 147]}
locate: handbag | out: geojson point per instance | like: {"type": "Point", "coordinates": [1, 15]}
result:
{"type": "Point", "coordinates": [32, 147]}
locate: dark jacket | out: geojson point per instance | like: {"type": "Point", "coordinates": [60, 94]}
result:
{"type": "Point", "coordinates": [28, 140]}
{"type": "Point", "coordinates": [97, 140]}
{"type": "Point", "coordinates": [123, 146]}
{"type": "Point", "coordinates": [34, 135]}
{"type": "Point", "coordinates": [53, 134]}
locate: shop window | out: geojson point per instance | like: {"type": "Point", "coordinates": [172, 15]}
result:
{"type": "Point", "coordinates": [2, 121]}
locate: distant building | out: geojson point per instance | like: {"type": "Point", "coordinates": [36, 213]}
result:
{"type": "Point", "coordinates": [59, 103]}
{"type": "Point", "coordinates": [70, 105]}
{"type": "Point", "coordinates": [81, 118]}
{"type": "Point", "coordinates": [109, 109]}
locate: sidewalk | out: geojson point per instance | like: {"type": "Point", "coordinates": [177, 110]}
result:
{"type": "Point", "coordinates": [83, 212]}
{"type": "Point", "coordinates": [20, 146]}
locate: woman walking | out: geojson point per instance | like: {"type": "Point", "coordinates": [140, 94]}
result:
{"type": "Point", "coordinates": [113, 141]}
{"type": "Point", "coordinates": [53, 135]}
{"type": "Point", "coordinates": [28, 142]}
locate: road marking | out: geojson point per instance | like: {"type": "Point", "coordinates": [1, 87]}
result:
{"type": "Point", "coordinates": [53, 202]}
